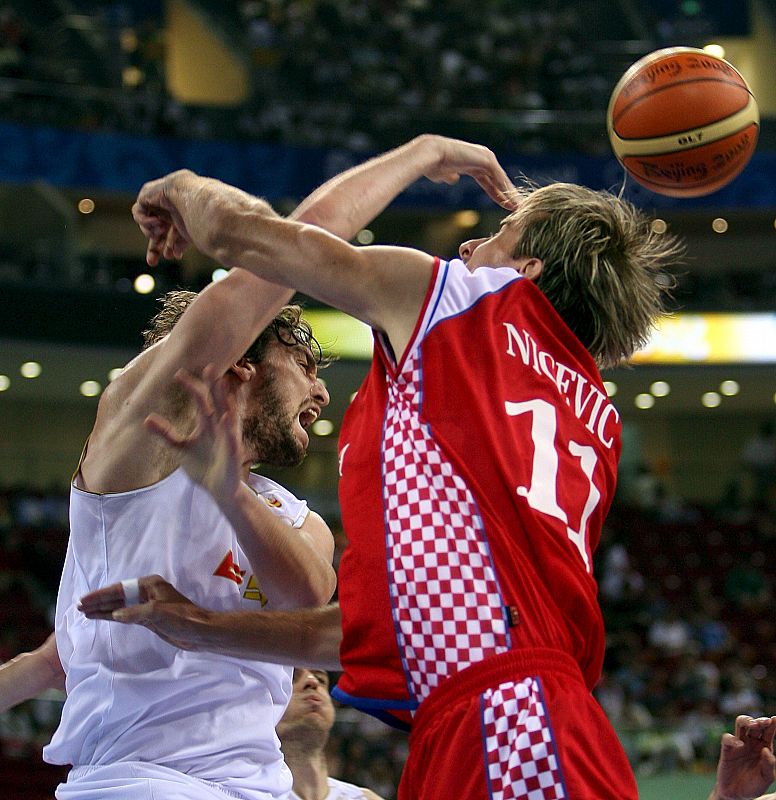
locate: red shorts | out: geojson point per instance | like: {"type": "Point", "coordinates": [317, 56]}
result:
{"type": "Point", "coordinates": [519, 725]}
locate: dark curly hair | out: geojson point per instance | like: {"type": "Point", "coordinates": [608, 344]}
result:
{"type": "Point", "coordinates": [288, 327]}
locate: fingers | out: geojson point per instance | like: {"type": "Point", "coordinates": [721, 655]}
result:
{"type": "Point", "coordinates": [156, 226]}
{"type": "Point", "coordinates": [498, 186]}
{"type": "Point", "coordinates": [730, 742]}
{"type": "Point", "coordinates": [463, 158]}
{"type": "Point", "coordinates": [198, 388]}
{"type": "Point", "coordinates": [154, 252]}
{"type": "Point", "coordinates": [210, 392]}
{"type": "Point", "coordinates": [770, 730]}
{"type": "Point", "coordinates": [743, 721]}
{"type": "Point", "coordinates": [761, 729]}
{"type": "Point", "coordinates": [165, 240]}
{"type": "Point", "coordinates": [158, 425]}
{"type": "Point", "coordinates": [161, 608]}
{"type": "Point", "coordinates": [131, 593]}
{"type": "Point", "coordinates": [493, 179]}
{"type": "Point", "coordinates": [201, 392]}
{"type": "Point", "coordinates": [175, 244]}
{"type": "Point", "coordinates": [102, 601]}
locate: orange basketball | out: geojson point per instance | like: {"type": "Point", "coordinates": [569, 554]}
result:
{"type": "Point", "coordinates": [682, 122]}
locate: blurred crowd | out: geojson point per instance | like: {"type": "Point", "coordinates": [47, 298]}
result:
{"type": "Point", "coordinates": [352, 73]}
{"type": "Point", "coordinates": [687, 593]}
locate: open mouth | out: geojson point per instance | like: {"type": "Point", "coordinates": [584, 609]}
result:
{"type": "Point", "coordinates": [308, 417]}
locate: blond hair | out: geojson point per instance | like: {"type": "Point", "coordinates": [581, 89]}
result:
{"type": "Point", "coordinates": [603, 265]}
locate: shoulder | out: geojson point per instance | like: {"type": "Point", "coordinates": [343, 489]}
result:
{"type": "Point", "coordinates": [267, 488]}
{"type": "Point", "coordinates": [457, 289]}
{"type": "Point", "coordinates": [283, 502]}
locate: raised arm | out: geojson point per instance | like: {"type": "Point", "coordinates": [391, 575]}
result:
{"type": "Point", "coordinates": [351, 200]}
{"type": "Point", "coordinates": [227, 316]}
{"type": "Point", "coordinates": [29, 674]}
{"type": "Point", "coordinates": [216, 328]}
{"type": "Point", "coordinates": [308, 637]}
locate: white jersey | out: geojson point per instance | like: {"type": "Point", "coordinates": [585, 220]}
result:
{"type": "Point", "coordinates": [339, 790]}
{"type": "Point", "coordinates": [131, 697]}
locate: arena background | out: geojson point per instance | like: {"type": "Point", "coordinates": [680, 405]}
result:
{"type": "Point", "coordinates": [276, 96]}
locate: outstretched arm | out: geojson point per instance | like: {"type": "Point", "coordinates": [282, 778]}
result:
{"type": "Point", "coordinates": [747, 766]}
{"type": "Point", "coordinates": [308, 637]}
{"type": "Point", "coordinates": [29, 674]}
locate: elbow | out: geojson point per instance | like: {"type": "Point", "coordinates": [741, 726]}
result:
{"type": "Point", "coordinates": [317, 590]}
{"type": "Point", "coordinates": [329, 217]}
{"type": "Point", "coordinates": [321, 590]}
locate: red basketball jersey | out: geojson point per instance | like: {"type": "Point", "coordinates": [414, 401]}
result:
{"type": "Point", "coordinates": [475, 476]}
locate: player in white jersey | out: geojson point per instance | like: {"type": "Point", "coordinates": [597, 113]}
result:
{"type": "Point", "coordinates": [304, 732]}
{"type": "Point", "coordinates": [142, 718]}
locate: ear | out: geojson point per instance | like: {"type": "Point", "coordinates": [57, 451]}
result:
{"type": "Point", "coordinates": [531, 268]}
{"type": "Point", "coordinates": [244, 370]}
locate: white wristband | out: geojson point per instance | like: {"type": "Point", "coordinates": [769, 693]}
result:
{"type": "Point", "coordinates": [131, 589]}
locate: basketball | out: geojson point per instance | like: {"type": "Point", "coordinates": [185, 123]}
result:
{"type": "Point", "coordinates": [682, 122]}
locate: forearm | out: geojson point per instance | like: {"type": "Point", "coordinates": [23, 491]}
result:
{"type": "Point", "coordinates": [350, 201]}
{"type": "Point", "coordinates": [288, 570]}
{"type": "Point", "coordinates": [304, 637]}
{"type": "Point", "coordinates": [29, 674]}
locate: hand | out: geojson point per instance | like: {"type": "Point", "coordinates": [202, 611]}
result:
{"type": "Point", "coordinates": [747, 765]}
{"type": "Point", "coordinates": [156, 212]}
{"type": "Point", "coordinates": [458, 158]}
{"type": "Point", "coordinates": [162, 609]}
{"type": "Point", "coordinates": [213, 452]}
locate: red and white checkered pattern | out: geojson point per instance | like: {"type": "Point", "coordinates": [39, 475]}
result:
{"type": "Point", "coordinates": [521, 760]}
{"type": "Point", "coordinates": [446, 602]}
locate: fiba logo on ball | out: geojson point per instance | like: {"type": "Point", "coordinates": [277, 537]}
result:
{"type": "Point", "coordinates": [682, 122]}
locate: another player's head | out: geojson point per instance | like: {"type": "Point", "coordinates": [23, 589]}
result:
{"type": "Point", "coordinates": [279, 371]}
{"type": "Point", "coordinates": [288, 327]}
{"type": "Point", "coordinates": [596, 258]}
{"type": "Point", "coordinates": [310, 713]}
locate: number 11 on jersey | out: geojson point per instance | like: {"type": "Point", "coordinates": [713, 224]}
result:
{"type": "Point", "coordinates": [542, 492]}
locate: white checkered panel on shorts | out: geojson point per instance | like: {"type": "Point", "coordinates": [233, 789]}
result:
{"type": "Point", "coordinates": [521, 761]}
{"type": "Point", "coordinates": [446, 602]}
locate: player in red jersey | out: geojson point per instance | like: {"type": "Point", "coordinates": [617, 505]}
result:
{"type": "Point", "coordinates": [478, 460]}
